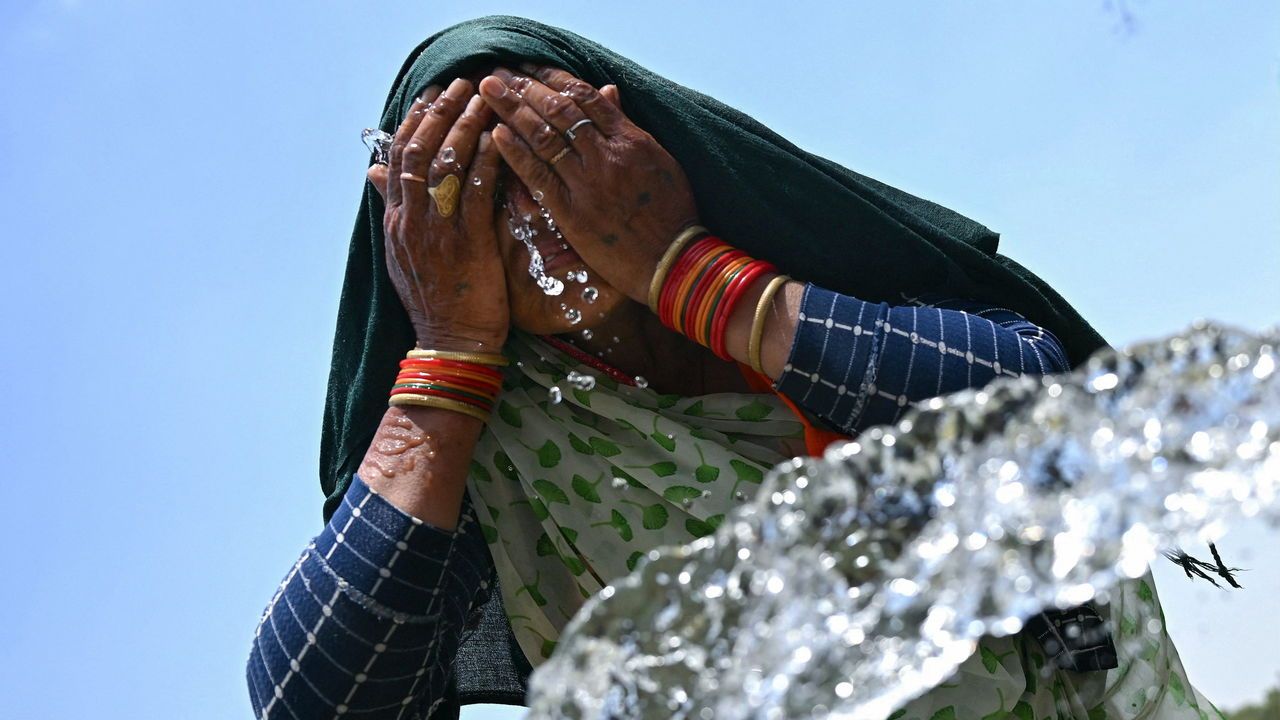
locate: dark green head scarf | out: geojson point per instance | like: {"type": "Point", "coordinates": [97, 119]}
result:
{"type": "Point", "coordinates": [817, 221]}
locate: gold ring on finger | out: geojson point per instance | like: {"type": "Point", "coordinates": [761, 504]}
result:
{"type": "Point", "coordinates": [446, 195]}
{"type": "Point", "coordinates": [559, 156]}
{"type": "Point", "coordinates": [411, 176]}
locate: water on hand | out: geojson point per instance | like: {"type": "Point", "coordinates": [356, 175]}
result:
{"type": "Point", "coordinates": [852, 584]}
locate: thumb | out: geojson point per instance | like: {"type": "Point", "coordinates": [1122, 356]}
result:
{"type": "Point", "coordinates": [378, 178]}
{"type": "Point", "coordinates": [610, 93]}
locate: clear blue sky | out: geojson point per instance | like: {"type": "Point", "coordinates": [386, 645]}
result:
{"type": "Point", "coordinates": [179, 181]}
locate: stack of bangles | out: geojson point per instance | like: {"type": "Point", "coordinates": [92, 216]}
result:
{"type": "Point", "coordinates": [464, 382]}
{"type": "Point", "coordinates": [695, 290]}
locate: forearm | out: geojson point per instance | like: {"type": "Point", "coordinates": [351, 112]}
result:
{"type": "Point", "coordinates": [419, 459]}
{"type": "Point", "coordinates": [856, 363]}
{"type": "Point", "coordinates": [370, 618]}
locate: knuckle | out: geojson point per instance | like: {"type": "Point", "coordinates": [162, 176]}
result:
{"type": "Point", "coordinates": [559, 107]}
{"type": "Point", "coordinates": [414, 154]}
{"type": "Point", "coordinates": [546, 138]}
{"type": "Point", "coordinates": [443, 106]}
{"type": "Point", "coordinates": [580, 91]}
{"type": "Point", "coordinates": [519, 83]}
{"type": "Point", "coordinates": [440, 168]}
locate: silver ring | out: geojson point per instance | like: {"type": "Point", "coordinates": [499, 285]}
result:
{"type": "Point", "coordinates": [570, 134]}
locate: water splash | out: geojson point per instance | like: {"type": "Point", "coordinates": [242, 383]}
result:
{"type": "Point", "coordinates": [582, 381]}
{"type": "Point", "coordinates": [854, 583]}
{"type": "Point", "coordinates": [523, 231]}
{"type": "Point", "coordinates": [379, 144]}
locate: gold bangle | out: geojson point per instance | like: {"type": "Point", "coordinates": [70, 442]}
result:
{"type": "Point", "coordinates": [439, 403]}
{"type": "Point", "coordinates": [477, 358]}
{"type": "Point", "coordinates": [757, 322]}
{"type": "Point", "coordinates": [669, 259]}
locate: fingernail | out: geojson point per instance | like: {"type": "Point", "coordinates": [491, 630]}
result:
{"type": "Point", "coordinates": [528, 67]}
{"type": "Point", "coordinates": [486, 138]}
{"type": "Point", "coordinates": [456, 86]}
{"type": "Point", "coordinates": [473, 105]}
{"type": "Point", "coordinates": [495, 89]}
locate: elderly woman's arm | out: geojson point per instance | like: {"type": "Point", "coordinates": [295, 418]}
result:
{"type": "Point", "coordinates": [369, 619]}
{"type": "Point", "coordinates": [856, 364]}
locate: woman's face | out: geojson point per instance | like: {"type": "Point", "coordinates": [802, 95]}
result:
{"type": "Point", "coordinates": [581, 305]}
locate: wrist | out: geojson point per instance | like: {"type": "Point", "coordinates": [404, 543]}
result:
{"type": "Point", "coordinates": [452, 343]}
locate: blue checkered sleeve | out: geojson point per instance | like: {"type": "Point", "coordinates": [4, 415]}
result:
{"type": "Point", "coordinates": [856, 364]}
{"type": "Point", "coordinates": [369, 619]}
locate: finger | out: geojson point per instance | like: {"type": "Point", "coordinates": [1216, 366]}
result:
{"type": "Point", "coordinates": [610, 93]}
{"type": "Point", "coordinates": [545, 141]}
{"type": "Point", "coordinates": [410, 124]}
{"type": "Point", "coordinates": [547, 187]}
{"type": "Point", "coordinates": [558, 110]}
{"type": "Point", "coordinates": [378, 179]}
{"type": "Point", "coordinates": [421, 149]}
{"type": "Point", "coordinates": [482, 182]}
{"type": "Point", "coordinates": [459, 146]}
{"type": "Point", "coordinates": [607, 117]}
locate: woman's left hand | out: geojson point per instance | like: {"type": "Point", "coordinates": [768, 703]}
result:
{"type": "Point", "coordinates": [617, 195]}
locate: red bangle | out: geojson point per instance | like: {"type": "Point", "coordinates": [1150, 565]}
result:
{"type": "Point", "coordinates": [688, 260]}
{"type": "Point", "coordinates": [687, 311]}
{"type": "Point", "coordinates": [435, 363]}
{"type": "Point", "coordinates": [741, 284]}
{"type": "Point", "coordinates": [464, 382]}
{"type": "Point", "coordinates": [704, 309]}
{"type": "Point", "coordinates": [473, 376]}
{"type": "Point", "coordinates": [708, 316]}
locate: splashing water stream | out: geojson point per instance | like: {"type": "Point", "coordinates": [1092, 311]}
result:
{"type": "Point", "coordinates": [523, 231]}
{"type": "Point", "coordinates": [851, 584]}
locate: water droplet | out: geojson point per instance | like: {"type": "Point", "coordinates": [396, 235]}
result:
{"type": "Point", "coordinates": [580, 276]}
{"type": "Point", "coordinates": [582, 381]}
{"type": "Point", "coordinates": [477, 181]}
{"type": "Point", "coordinates": [641, 382]}
{"type": "Point", "coordinates": [378, 142]}
{"type": "Point", "coordinates": [448, 155]}
{"type": "Point", "coordinates": [537, 196]}
{"type": "Point", "coordinates": [525, 233]}
{"type": "Point", "coordinates": [555, 395]}
{"type": "Point", "coordinates": [587, 334]}
{"type": "Point", "coordinates": [573, 315]}
{"type": "Point", "coordinates": [590, 295]}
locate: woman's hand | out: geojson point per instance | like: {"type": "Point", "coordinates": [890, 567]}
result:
{"type": "Point", "coordinates": [618, 196]}
{"type": "Point", "coordinates": [441, 248]}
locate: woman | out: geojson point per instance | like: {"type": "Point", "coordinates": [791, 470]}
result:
{"type": "Point", "coordinates": [643, 377]}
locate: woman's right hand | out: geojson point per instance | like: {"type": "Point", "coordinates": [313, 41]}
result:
{"type": "Point", "coordinates": [442, 251]}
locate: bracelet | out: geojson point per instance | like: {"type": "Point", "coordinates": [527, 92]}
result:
{"type": "Point", "coordinates": [681, 277]}
{"type": "Point", "coordinates": [470, 357]}
{"type": "Point", "coordinates": [468, 383]}
{"type": "Point", "coordinates": [668, 258]}
{"type": "Point", "coordinates": [441, 403]}
{"type": "Point", "coordinates": [733, 296]}
{"type": "Point", "coordinates": [754, 347]}
{"type": "Point", "coordinates": [701, 288]}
